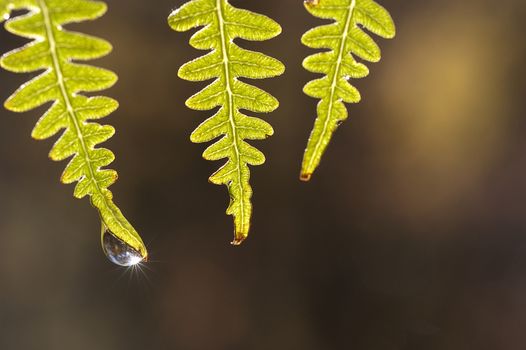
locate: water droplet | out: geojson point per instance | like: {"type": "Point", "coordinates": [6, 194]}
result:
{"type": "Point", "coordinates": [118, 251]}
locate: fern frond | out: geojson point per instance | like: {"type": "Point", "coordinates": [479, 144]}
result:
{"type": "Point", "coordinates": [226, 63]}
{"type": "Point", "coordinates": [345, 39]}
{"type": "Point", "coordinates": [57, 52]}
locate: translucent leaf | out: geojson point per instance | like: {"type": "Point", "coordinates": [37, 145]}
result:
{"type": "Point", "coordinates": [345, 40]}
{"type": "Point", "coordinates": [226, 63]}
{"type": "Point", "coordinates": [53, 50]}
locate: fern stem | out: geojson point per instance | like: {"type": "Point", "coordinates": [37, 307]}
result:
{"type": "Point", "coordinates": [65, 94]}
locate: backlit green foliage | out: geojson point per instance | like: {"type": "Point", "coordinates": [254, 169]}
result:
{"type": "Point", "coordinates": [56, 52]}
{"type": "Point", "coordinates": [226, 63]}
{"type": "Point", "coordinates": [4, 9]}
{"type": "Point", "coordinates": [345, 39]}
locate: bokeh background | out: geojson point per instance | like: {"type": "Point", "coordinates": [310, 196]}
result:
{"type": "Point", "coordinates": [411, 235]}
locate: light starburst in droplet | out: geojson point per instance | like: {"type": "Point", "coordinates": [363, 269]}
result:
{"type": "Point", "coordinates": [118, 251]}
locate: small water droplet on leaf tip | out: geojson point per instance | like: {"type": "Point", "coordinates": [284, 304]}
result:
{"type": "Point", "coordinates": [118, 251]}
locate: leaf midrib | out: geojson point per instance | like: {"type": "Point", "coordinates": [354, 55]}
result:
{"type": "Point", "coordinates": [335, 77]}
{"type": "Point", "coordinates": [71, 112]}
{"type": "Point", "coordinates": [230, 106]}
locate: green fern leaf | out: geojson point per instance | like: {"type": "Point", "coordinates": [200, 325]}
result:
{"type": "Point", "coordinates": [226, 63]}
{"type": "Point", "coordinates": [4, 9]}
{"type": "Point", "coordinates": [57, 52]}
{"type": "Point", "coordinates": [344, 38]}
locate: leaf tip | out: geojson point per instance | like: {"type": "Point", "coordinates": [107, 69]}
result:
{"type": "Point", "coordinates": [238, 239]}
{"type": "Point", "coordinates": [36, 136]}
{"type": "Point", "coordinates": [311, 2]}
{"type": "Point", "coordinates": [240, 234]}
{"type": "Point", "coordinates": [305, 177]}
{"type": "Point", "coordinates": [11, 106]}
{"type": "Point", "coordinates": [171, 19]}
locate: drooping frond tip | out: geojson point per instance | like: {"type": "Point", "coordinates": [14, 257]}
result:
{"type": "Point", "coordinates": [226, 63]}
{"type": "Point", "coordinates": [345, 39]}
{"type": "Point", "coordinates": [56, 52]}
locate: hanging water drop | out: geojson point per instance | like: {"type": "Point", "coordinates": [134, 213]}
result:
{"type": "Point", "coordinates": [118, 251]}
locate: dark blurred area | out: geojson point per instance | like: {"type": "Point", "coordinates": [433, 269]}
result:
{"type": "Point", "coordinates": [411, 235]}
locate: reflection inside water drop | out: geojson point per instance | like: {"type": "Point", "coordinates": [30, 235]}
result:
{"type": "Point", "coordinates": [118, 251]}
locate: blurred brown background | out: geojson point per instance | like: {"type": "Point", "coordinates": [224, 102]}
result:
{"type": "Point", "coordinates": [412, 234]}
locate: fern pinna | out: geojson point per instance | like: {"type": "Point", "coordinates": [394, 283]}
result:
{"type": "Point", "coordinates": [226, 63]}
{"type": "Point", "coordinates": [344, 38]}
{"type": "Point", "coordinates": [56, 52]}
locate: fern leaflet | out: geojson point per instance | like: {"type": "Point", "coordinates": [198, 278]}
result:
{"type": "Point", "coordinates": [343, 38]}
{"type": "Point", "coordinates": [226, 63]}
{"type": "Point", "coordinates": [57, 51]}
{"type": "Point", "coordinates": [4, 9]}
